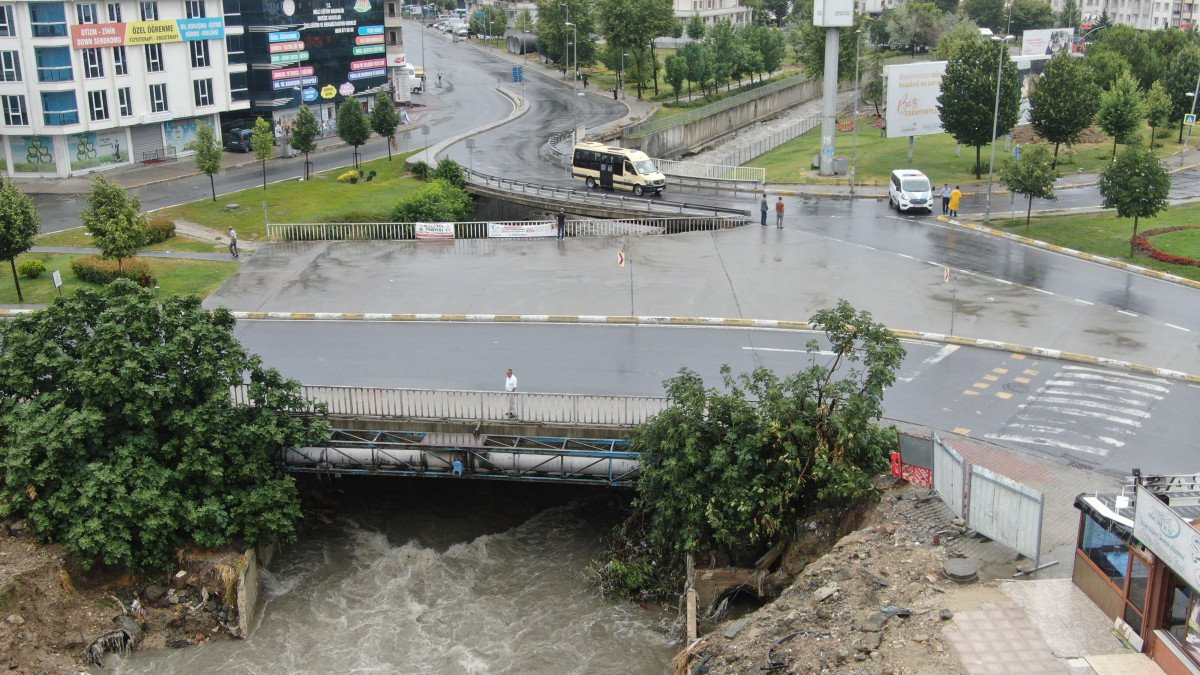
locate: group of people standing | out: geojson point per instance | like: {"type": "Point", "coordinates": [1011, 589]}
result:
{"type": "Point", "coordinates": [762, 206]}
{"type": "Point", "coordinates": [950, 200]}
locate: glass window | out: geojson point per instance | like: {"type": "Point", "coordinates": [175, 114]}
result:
{"type": "Point", "coordinates": [59, 108]}
{"type": "Point", "coordinates": [200, 55]}
{"type": "Point", "coordinates": [14, 111]}
{"type": "Point", "coordinates": [194, 9]}
{"type": "Point", "coordinates": [158, 98]}
{"type": "Point", "coordinates": [93, 63]}
{"type": "Point", "coordinates": [120, 61]}
{"type": "Point", "coordinates": [1139, 581]}
{"type": "Point", "coordinates": [48, 19]}
{"type": "Point", "coordinates": [1192, 643]}
{"type": "Point", "coordinates": [114, 12]}
{"type": "Point", "coordinates": [86, 13]}
{"type": "Point", "coordinates": [232, 7]}
{"type": "Point", "coordinates": [10, 67]}
{"type": "Point", "coordinates": [53, 64]}
{"type": "Point", "coordinates": [238, 87]}
{"type": "Point", "coordinates": [125, 100]}
{"type": "Point", "coordinates": [1108, 551]}
{"type": "Point", "coordinates": [202, 89]}
{"type": "Point", "coordinates": [148, 11]}
{"type": "Point", "coordinates": [7, 27]}
{"type": "Point", "coordinates": [235, 52]}
{"type": "Point", "coordinates": [1175, 613]}
{"type": "Point", "coordinates": [98, 105]}
{"type": "Point", "coordinates": [154, 59]}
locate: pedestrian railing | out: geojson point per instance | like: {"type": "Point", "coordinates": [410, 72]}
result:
{"type": "Point", "coordinates": [473, 406]}
{"type": "Point", "coordinates": [744, 152]}
{"type": "Point", "coordinates": [713, 172]}
{"type": "Point", "coordinates": [521, 229]}
{"type": "Point", "coordinates": [651, 126]}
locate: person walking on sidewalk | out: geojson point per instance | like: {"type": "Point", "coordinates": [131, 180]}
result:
{"type": "Point", "coordinates": [562, 224]}
{"type": "Point", "coordinates": [779, 212]}
{"type": "Point", "coordinates": [955, 198]}
{"type": "Point", "coordinates": [762, 207]}
{"type": "Point", "coordinates": [510, 385]}
{"type": "Point", "coordinates": [945, 199]}
{"type": "Point", "coordinates": [233, 242]}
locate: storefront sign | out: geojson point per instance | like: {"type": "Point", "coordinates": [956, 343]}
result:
{"type": "Point", "coordinates": [912, 93]}
{"type": "Point", "coordinates": [288, 73]}
{"type": "Point", "coordinates": [1047, 42]}
{"type": "Point", "coordinates": [283, 36]}
{"type": "Point", "coordinates": [367, 64]}
{"type": "Point", "coordinates": [293, 46]}
{"type": "Point", "coordinates": [328, 91]}
{"type": "Point", "coordinates": [1168, 536]}
{"type": "Point", "coordinates": [369, 49]}
{"type": "Point", "coordinates": [434, 230]}
{"type": "Point", "coordinates": [368, 40]}
{"type": "Point", "coordinates": [289, 57]}
{"type": "Point", "coordinates": [521, 229]}
{"type": "Point", "coordinates": [309, 95]}
{"type": "Point", "coordinates": [365, 74]}
{"type": "Point", "coordinates": [295, 83]}
{"type": "Point", "coordinates": [90, 36]}
{"type": "Point", "coordinates": [370, 30]}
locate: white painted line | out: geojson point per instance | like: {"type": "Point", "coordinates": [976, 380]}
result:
{"type": "Point", "coordinates": [1129, 376]}
{"type": "Point", "coordinates": [1084, 301]}
{"type": "Point", "coordinates": [1104, 387]}
{"type": "Point", "coordinates": [1126, 313]}
{"type": "Point", "coordinates": [794, 351]}
{"type": "Point", "coordinates": [1032, 440]}
{"type": "Point", "coordinates": [929, 361]}
{"type": "Point", "coordinates": [1093, 405]}
{"type": "Point", "coordinates": [1186, 330]}
{"type": "Point", "coordinates": [1058, 410]}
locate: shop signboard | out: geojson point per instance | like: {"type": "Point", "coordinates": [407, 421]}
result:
{"type": "Point", "coordinates": [912, 93]}
{"type": "Point", "coordinates": [369, 49]}
{"type": "Point", "coordinates": [433, 230]}
{"type": "Point", "coordinates": [521, 229]}
{"type": "Point", "coordinates": [833, 13]}
{"type": "Point", "coordinates": [1168, 536]}
{"type": "Point", "coordinates": [1046, 42]}
{"type": "Point", "coordinates": [283, 36]}
{"type": "Point", "coordinates": [289, 57]}
{"type": "Point", "coordinates": [294, 83]}
{"type": "Point", "coordinates": [308, 95]}
{"type": "Point", "coordinates": [288, 73]}
{"type": "Point", "coordinates": [364, 74]}
{"type": "Point", "coordinates": [93, 35]}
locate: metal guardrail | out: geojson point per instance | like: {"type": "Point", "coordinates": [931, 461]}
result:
{"type": "Point", "coordinates": [582, 227]}
{"type": "Point", "coordinates": [471, 406]}
{"type": "Point", "coordinates": [745, 152]}
{"type": "Point", "coordinates": [713, 172]}
{"type": "Point", "coordinates": [651, 126]}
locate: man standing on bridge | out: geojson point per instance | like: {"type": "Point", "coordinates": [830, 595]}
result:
{"type": "Point", "coordinates": [779, 212]}
{"type": "Point", "coordinates": [762, 207]}
{"type": "Point", "coordinates": [562, 224]}
{"type": "Point", "coordinates": [510, 385]}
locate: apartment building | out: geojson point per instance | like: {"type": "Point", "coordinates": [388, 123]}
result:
{"type": "Point", "coordinates": [93, 85]}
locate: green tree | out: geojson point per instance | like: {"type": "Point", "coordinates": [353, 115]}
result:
{"type": "Point", "coordinates": [947, 6]}
{"type": "Point", "coordinates": [1136, 184]}
{"type": "Point", "coordinates": [451, 172]}
{"type": "Point", "coordinates": [384, 119]}
{"type": "Point", "coordinates": [262, 139]}
{"type": "Point", "coordinates": [696, 27]}
{"type": "Point", "coordinates": [778, 9]}
{"type": "Point", "coordinates": [872, 91]}
{"type": "Point", "coordinates": [632, 26]}
{"type": "Point", "coordinates": [1181, 80]}
{"type": "Point", "coordinates": [353, 127]}
{"type": "Point", "coordinates": [435, 202]}
{"type": "Point", "coordinates": [553, 34]}
{"type": "Point", "coordinates": [19, 223]}
{"type": "Point", "coordinates": [737, 467]}
{"type": "Point", "coordinates": [962, 36]}
{"type": "Point", "coordinates": [809, 45]}
{"type": "Point", "coordinates": [1069, 15]}
{"type": "Point", "coordinates": [769, 44]}
{"type": "Point", "coordinates": [305, 131]}
{"type": "Point", "coordinates": [695, 55]}
{"type": "Point", "coordinates": [1063, 102]}
{"type": "Point", "coordinates": [1131, 44]}
{"type": "Point", "coordinates": [1120, 112]}
{"type": "Point", "coordinates": [208, 154]}
{"type": "Point", "coordinates": [1107, 68]}
{"type": "Point", "coordinates": [114, 219]}
{"type": "Point", "coordinates": [1029, 15]}
{"type": "Point", "coordinates": [987, 14]}
{"type": "Point", "coordinates": [524, 21]}
{"type": "Point", "coordinates": [1157, 107]}
{"type": "Point", "coordinates": [1031, 175]}
{"type": "Point", "coordinates": [493, 22]}
{"type": "Point", "coordinates": [677, 71]}
{"type": "Point", "coordinates": [119, 438]}
{"type": "Point", "coordinates": [967, 101]}
{"type": "Point", "coordinates": [913, 25]}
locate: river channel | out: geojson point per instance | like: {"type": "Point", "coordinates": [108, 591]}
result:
{"type": "Point", "coordinates": [437, 576]}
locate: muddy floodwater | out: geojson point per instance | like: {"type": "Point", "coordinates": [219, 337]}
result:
{"type": "Point", "coordinates": [438, 576]}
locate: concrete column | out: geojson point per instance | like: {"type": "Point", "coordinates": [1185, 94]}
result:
{"type": "Point", "coordinates": [829, 102]}
{"type": "Point", "coordinates": [693, 631]}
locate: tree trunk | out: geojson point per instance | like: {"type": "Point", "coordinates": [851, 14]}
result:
{"type": "Point", "coordinates": [16, 280]}
{"type": "Point", "coordinates": [264, 163]}
{"type": "Point", "coordinates": [1180, 131]}
{"type": "Point", "coordinates": [1151, 136]}
{"type": "Point", "coordinates": [1135, 219]}
{"type": "Point", "coordinates": [978, 167]}
{"type": "Point", "coordinates": [390, 139]}
{"type": "Point", "coordinates": [1114, 154]}
{"type": "Point", "coordinates": [212, 184]}
{"type": "Point", "coordinates": [1054, 164]}
{"type": "Point", "coordinates": [654, 69]}
{"type": "Point", "coordinates": [1029, 211]}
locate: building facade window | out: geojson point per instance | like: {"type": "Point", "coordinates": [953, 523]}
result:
{"type": "Point", "coordinates": [125, 101]}
{"type": "Point", "coordinates": [14, 111]}
{"type": "Point", "coordinates": [231, 7]}
{"type": "Point", "coordinates": [158, 98]}
{"type": "Point", "coordinates": [53, 64]}
{"type": "Point", "coordinates": [10, 67]}
{"type": "Point", "coordinates": [7, 27]}
{"type": "Point", "coordinates": [114, 12]}
{"type": "Point", "coordinates": [200, 54]}
{"type": "Point", "coordinates": [239, 87]}
{"type": "Point", "coordinates": [235, 51]}
{"type": "Point", "coordinates": [59, 108]}
{"type": "Point", "coordinates": [203, 91]}
{"type": "Point", "coordinates": [86, 13]}
{"type": "Point", "coordinates": [48, 19]}
{"type": "Point", "coordinates": [98, 105]}
{"type": "Point", "coordinates": [194, 9]}
{"type": "Point", "coordinates": [148, 11]}
{"type": "Point", "coordinates": [120, 61]}
{"type": "Point", "coordinates": [93, 63]}
{"type": "Point", "coordinates": [1106, 550]}
{"type": "Point", "coordinates": [154, 59]}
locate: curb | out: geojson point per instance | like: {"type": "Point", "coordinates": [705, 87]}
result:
{"type": "Point", "coordinates": [1109, 262]}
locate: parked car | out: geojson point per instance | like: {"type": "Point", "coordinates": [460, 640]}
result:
{"type": "Point", "coordinates": [909, 190]}
{"type": "Point", "coordinates": [238, 140]}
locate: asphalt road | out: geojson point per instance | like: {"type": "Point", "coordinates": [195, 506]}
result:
{"type": "Point", "coordinates": [1096, 418]}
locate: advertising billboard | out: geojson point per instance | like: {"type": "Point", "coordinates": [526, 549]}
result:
{"type": "Point", "coordinates": [912, 93]}
{"type": "Point", "coordinates": [1029, 69]}
{"type": "Point", "coordinates": [92, 35]}
{"type": "Point", "coordinates": [833, 13]}
{"type": "Point", "coordinates": [1046, 42]}
{"type": "Point", "coordinates": [91, 149]}
{"type": "Point", "coordinates": [1168, 536]}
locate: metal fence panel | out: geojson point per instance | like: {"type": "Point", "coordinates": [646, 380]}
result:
{"type": "Point", "coordinates": [716, 172]}
{"type": "Point", "coordinates": [585, 227]}
{"type": "Point", "coordinates": [916, 450]}
{"type": "Point", "coordinates": [949, 476]}
{"type": "Point", "coordinates": [1006, 511]}
{"type": "Point", "coordinates": [650, 126]}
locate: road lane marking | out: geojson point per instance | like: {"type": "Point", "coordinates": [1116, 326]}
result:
{"type": "Point", "coordinates": [1049, 443]}
{"type": "Point", "coordinates": [1127, 313]}
{"type": "Point", "coordinates": [1186, 330]}
{"type": "Point", "coordinates": [932, 359]}
{"type": "Point", "coordinates": [794, 351]}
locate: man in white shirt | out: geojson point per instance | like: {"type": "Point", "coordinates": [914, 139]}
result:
{"type": "Point", "coordinates": [510, 385]}
{"type": "Point", "coordinates": [233, 251]}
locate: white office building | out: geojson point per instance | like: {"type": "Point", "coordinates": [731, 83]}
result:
{"type": "Point", "coordinates": [86, 86]}
{"type": "Point", "coordinates": [1144, 14]}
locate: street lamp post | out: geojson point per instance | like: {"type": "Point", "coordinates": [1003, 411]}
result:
{"type": "Point", "coordinates": [854, 143]}
{"type": "Point", "coordinates": [574, 46]}
{"type": "Point", "coordinates": [621, 75]}
{"type": "Point", "coordinates": [567, 22]}
{"type": "Point", "coordinates": [1194, 95]}
{"type": "Point", "coordinates": [987, 215]}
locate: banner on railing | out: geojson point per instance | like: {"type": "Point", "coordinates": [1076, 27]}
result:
{"type": "Point", "coordinates": [521, 229]}
{"type": "Point", "coordinates": [434, 230]}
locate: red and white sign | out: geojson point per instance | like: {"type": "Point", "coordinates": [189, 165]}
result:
{"type": "Point", "coordinates": [521, 230]}
{"type": "Point", "coordinates": [434, 230]}
{"type": "Point", "coordinates": [280, 47]}
{"type": "Point", "coordinates": [368, 64]}
{"type": "Point", "coordinates": [368, 40]}
{"type": "Point", "coordinates": [90, 36]}
{"type": "Point", "coordinates": [399, 60]}
{"type": "Point", "coordinates": [289, 73]}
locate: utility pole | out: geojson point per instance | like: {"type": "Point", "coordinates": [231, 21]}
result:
{"type": "Point", "coordinates": [831, 15]}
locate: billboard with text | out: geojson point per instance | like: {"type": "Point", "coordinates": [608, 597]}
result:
{"type": "Point", "coordinates": [1046, 42]}
{"type": "Point", "coordinates": [912, 93]}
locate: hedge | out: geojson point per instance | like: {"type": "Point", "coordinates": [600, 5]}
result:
{"type": "Point", "coordinates": [96, 270]}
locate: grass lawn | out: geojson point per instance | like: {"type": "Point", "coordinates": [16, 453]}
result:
{"type": "Point", "coordinates": [932, 155]}
{"type": "Point", "coordinates": [175, 277]}
{"type": "Point", "coordinates": [77, 236]}
{"type": "Point", "coordinates": [320, 199]}
{"type": "Point", "coordinates": [1105, 234]}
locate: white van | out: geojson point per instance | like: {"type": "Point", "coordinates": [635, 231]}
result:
{"type": "Point", "coordinates": [597, 164]}
{"type": "Point", "coordinates": [910, 189]}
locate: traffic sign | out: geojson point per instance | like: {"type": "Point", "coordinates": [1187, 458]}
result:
{"type": "Point", "coordinates": [518, 73]}
{"type": "Point", "coordinates": [1189, 119]}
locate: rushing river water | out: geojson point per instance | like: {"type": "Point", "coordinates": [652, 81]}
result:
{"type": "Point", "coordinates": [438, 576]}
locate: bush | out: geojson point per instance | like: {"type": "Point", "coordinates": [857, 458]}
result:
{"type": "Point", "coordinates": [159, 230]}
{"type": "Point", "coordinates": [437, 202]}
{"type": "Point", "coordinates": [421, 170]}
{"type": "Point", "coordinates": [32, 268]}
{"type": "Point", "coordinates": [96, 270]}
{"type": "Point", "coordinates": [348, 177]}
{"type": "Point", "coordinates": [451, 172]}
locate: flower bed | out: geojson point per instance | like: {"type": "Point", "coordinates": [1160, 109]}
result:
{"type": "Point", "coordinates": [1142, 243]}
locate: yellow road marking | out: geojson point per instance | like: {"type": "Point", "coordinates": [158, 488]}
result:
{"type": "Point", "coordinates": [1003, 394]}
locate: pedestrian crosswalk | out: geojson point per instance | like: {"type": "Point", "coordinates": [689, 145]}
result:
{"type": "Point", "coordinates": [1085, 410]}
